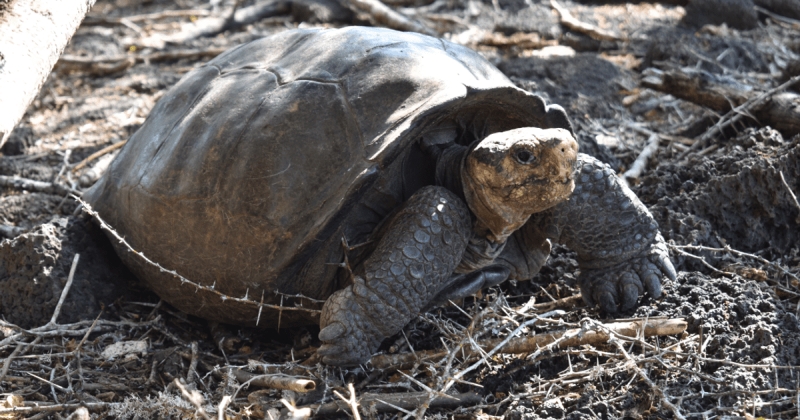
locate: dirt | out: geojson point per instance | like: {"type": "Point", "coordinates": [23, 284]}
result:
{"type": "Point", "coordinates": [740, 197]}
{"type": "Point", "coordinates": [726, 208]}
{"type": "Point", "coordinates": [35, 267]}
{"type": "Point", "coordinates": [4, 5]}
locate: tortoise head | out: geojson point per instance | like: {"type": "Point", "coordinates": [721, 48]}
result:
{"type": "Point", "coordinates": [512, 174]}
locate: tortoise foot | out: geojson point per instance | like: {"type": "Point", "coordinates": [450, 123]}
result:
{"type": "Point", "coordinates": [618, 288]}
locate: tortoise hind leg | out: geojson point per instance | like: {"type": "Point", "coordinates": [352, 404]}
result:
{"type": "Point", "coordinates": [411, 265]}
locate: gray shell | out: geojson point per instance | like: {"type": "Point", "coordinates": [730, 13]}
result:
{"type": "Point", "coordinates": [252, 160]}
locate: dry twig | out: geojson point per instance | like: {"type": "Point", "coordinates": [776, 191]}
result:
{"type": "Point", "coordinates": [730, 250]}
{"type": "Point", "coordinates": [572, 23]}
{"type": "Point", "coordinates": [791, 194]}
{"type": "Point", "coordinates": [64, 291]}
{"type": "Point", "coordinates": [97, 154]}
{"type": "Point", "coordinates": [166, 14]}
{"type": "Point", "coordinates": [114, 64]}
{"type": "Point", "coordinates": [519, 40]}
{"type": "Point", "coordinates": [351, 402]}
{"type": "Point", "coordinates": [744, 110]}
{"type": "Point", "coordinates": [193, 397]}
{"type": "Point", "coordinates": [568, 338]}
{"type": "Point", "coordinates": [638, 166]}
{"type": "Point", "coordinates": [664, 399]}
{"type": "Point", "coordinates": [382, 403]}
{"type": "Point", "coordinates": [57, 408]}
{"type": "Point", "coordinates": [567, 302]}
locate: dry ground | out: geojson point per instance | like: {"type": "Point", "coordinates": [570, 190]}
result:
{"type": "Point", "coordinates": [724, 199]}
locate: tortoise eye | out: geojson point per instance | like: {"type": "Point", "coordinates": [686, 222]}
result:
{"type": "Point", "coordinates": [524, 157]}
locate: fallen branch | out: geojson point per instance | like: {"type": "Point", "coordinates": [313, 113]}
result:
{"type": "Point", "coordinates": [94, 66]}
{"type": "Point", "coordinates": [102, 20]}
{"type": "Point", "coordinates": [407, 401]}
{"type": "Point", "coordinates": [211, 26]}
{"type": "Point", "coordinates": [35, 186]}
{"type": "Point", "coordinates": [277, 381]}
{"type": "Point", "coordinates": [68, 330]}
{"type": "Point", "coordinates": [779, 110]}
{"type": "Point", "coordinates": [528, 41]}
{"type": "Point", "coordinates": [569, 338]}
{"type": "Point", "coordinates": [382, 15]}
{"type": "Point", "coordinates": [100, 66]}
{"type": "Point", "coordinates": [572, 23]}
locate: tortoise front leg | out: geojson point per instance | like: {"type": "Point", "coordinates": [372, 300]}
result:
{"type": "Point", "coordinates": [621, 253]}
{"type": "Point", "coordinates": [410, 266]}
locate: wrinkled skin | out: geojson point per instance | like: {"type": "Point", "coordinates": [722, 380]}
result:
{"type": "Point", "coordinates": [620, 251]}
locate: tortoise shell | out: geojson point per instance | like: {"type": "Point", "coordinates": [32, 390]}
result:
{"type": "Point", "coordinates": [244, 172]}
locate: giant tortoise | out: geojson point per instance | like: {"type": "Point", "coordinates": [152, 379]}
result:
{"type": "Point", "coordinates": [379, 172]}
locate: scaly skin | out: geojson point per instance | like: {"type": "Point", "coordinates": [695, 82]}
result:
{"type": "Point", "coordinates": [620, 251]}
{"type": "Point", "coordinates": [412, 263]}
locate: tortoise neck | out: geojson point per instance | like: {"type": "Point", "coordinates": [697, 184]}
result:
{"type": "Point", "coordinates": [448, 168]}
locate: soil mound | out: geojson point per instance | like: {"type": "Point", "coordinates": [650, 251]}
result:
{"type": "Point", "coordinates": [35, 266]}
{"type": "Point", "coordinates": [739, 197]}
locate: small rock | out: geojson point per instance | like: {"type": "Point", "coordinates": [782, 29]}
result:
{"type": "Point", "coordinates": [124, 348]}
{"type": "Point", "coordinates": [552, 408]}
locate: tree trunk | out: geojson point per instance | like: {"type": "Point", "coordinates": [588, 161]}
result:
{"type": "Point", "coordinates": [33, 34]}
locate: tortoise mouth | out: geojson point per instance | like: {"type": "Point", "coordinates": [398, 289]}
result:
{"type": "Point", "coordinates": [542, 181]}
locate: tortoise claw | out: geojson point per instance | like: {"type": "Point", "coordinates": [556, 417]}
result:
{"type": "Point", "coordinates": [332, 331]}
{"type": "Point", "coordinates": [619, 287]}
{"type": "Point", "coordinates": [630, 294]}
